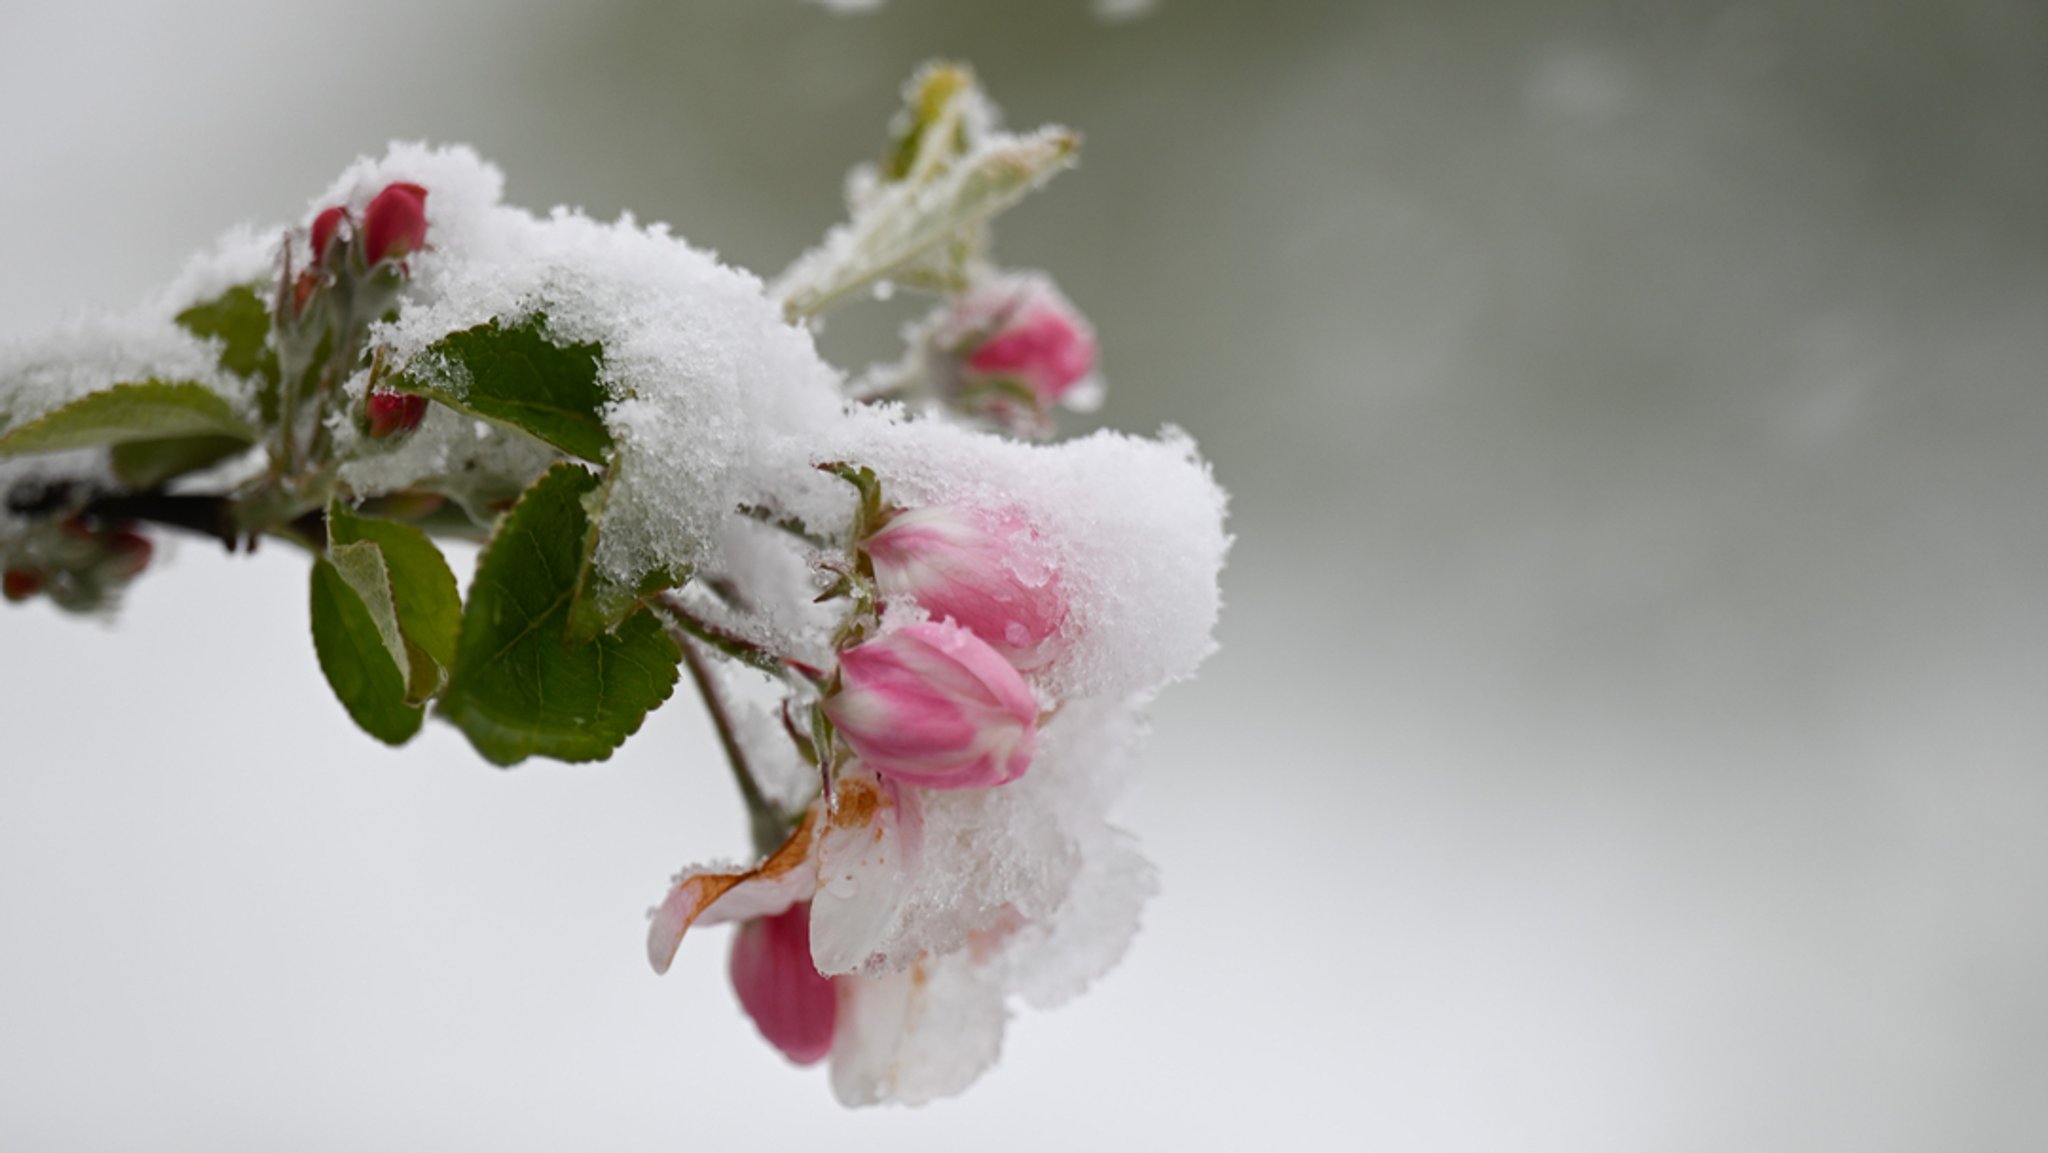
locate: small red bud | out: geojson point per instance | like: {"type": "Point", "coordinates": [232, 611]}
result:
{"type": "Point", "coordinates": [395, 223]}
{"type": "Point", "coordinates": [389, 413]}
{"type": "Point", "coordinates": [323, 231]}
{"type": "Point", "coordinates": [19, 584]}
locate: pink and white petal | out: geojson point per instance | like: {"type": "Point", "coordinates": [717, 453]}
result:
{"type": "Point", "coordinates": [918, 1035]}
{"type": "Point", "coordinates": [712, 896]}
{"type": "Point", "coordinates": [868, 855]}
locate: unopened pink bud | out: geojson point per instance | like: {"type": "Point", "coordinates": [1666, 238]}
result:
{"type": "Point", "coordinates": [932, 705]}
{"type": "Point", "coordinates": [388, 413]}
{"type": "Point", "coordinates": [795, 1007]}
{"type": "Point", "coordinates": [395, 223]}
{"type": "Point", "coordinates": [1017, 349]}
{"type": "Point", "coordinates": [986, 571]}
{"type": "Point", "coordinates": [323, 231]}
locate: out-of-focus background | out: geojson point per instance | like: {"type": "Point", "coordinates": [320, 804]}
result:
{"type": "Point", "coordinates": [1631, 727]}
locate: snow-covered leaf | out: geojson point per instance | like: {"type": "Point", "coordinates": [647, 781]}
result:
{"type": "Point", "coordinates": [602, 602]}
{"type": "Point", "coordinates": [516, 375]}
{"type": "Point", "coordinates": [150, 410]}
{"type": "Point", "coordinates": [910, 220]}
{"type": "Point", "coordinates": [240, 320]}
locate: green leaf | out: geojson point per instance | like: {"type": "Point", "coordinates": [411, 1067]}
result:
{"type": "Point", "coordinates": [240, 320]}
{"type": "Point", "coordinates": [354, 642]}
{"type": "Point", "coordinates": [516, 375]}
{"type": "Point", "coordinates": [362, 565]}
{"type": "Point", "coordinates": [153, 410]}
{"type": "Point", "coordinates": [521, 687]}
{"type": "Point", "coordinates": [141, 464]}
{"type": "Point", "coordinates": [422, 591]}
{"type": "Point", "coordinates": [602, 604]}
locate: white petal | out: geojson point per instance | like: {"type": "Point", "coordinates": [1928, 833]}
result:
{"type": "Point", "coordinates": [867, 858]}
{"type": "Point", "coordinates": [911, 1037]}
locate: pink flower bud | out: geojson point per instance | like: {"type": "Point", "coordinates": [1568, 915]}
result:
{"type": "Point", "coordinates": [323, 231]}
{"type": "Point", "coordinates": [1013, 349]}
{"type": "Point", "coordinates": [794, 1006]}
{"type": "Point", "coordinates": [933, 705]}
{"type": "Point", "coordinates": [395, 223]}
{"type": "Point", "coordinates": [388, 413]}
{"type": "Point", "coordinates": [988, 572]}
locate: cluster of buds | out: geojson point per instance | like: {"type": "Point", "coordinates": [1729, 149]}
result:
{"type": "Point", "coordinates": [935, 704]}
{"type": "Point", "coordinates": [356, 271]}
{"type": "Point", "coordinates": [78, 564]}
{"type": "Point", "coordinates": [1011, 350]}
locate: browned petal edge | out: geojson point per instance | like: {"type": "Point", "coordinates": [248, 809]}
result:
{"type": "Point", "coordinates": [702, 890]}
{"type": "Point", "coordinates": [794, 851]}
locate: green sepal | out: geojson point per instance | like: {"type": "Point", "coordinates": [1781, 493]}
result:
{"type": "Point", "coordinates": [354, 639]}
{"type": "Point", "coordinates": [516, 375]}
{"type": "Point", "coordinates": [150, 410]}
{"type": "Point", "coordinates": [521, 687]}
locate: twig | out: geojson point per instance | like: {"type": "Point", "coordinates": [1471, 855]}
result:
{"type": "Point", "coordinates": [766, 822]}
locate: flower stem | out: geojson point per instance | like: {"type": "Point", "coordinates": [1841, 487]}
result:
{"type": "Point", "coordinates": [730, 643]}
{"type": "Point", "coordinates": [765, 821]}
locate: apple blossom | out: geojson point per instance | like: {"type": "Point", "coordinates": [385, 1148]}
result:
{"type": "Point", "coordinates": [931, 704]}
{"type": "Point", "coordinates": [986, 571]}
{"type": "Point", "coordinates": [1012, 349]}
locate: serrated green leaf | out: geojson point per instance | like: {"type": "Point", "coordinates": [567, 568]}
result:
{"type": "Point", "coordinates": [152, 410]}
{"type": "Point", "coordinates": [520, 686]}
{"type": "Point", "coordinates": [240, 320]}
{"type": "Point", "coordinates": [355, 653]}
{"type": "Point", "coordinates": [143, 464]}
{"type": "Point", "coordinates": [422, 586]}
{"type": "Point", "coordinates": [516, 375]}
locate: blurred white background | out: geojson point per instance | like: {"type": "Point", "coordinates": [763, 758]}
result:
{"type": "Point", "coordinates": [1631, 730]}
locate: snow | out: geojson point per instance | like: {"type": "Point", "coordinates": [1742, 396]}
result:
{"type": "Point", "coordinates": [955, 902]}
